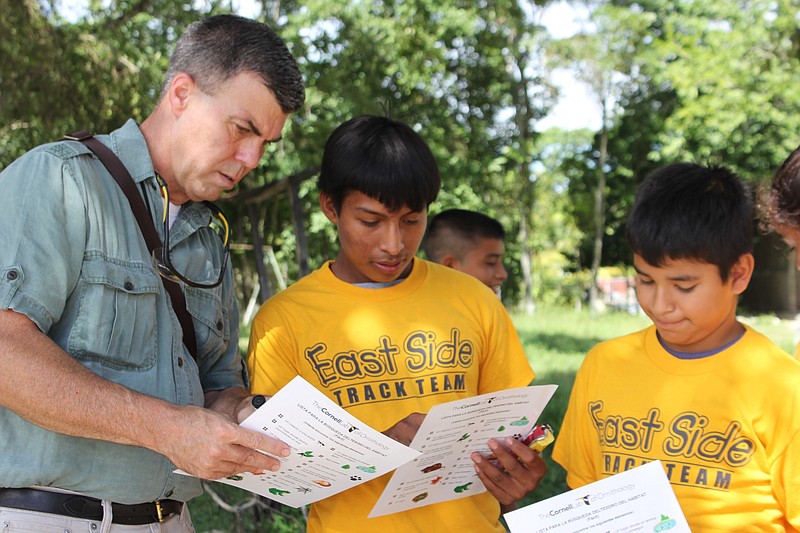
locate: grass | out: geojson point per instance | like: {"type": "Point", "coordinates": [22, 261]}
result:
{"type": "Point", "coordinates": [245, 512]}
{"type": "Point", "coordinates": [555, 341]}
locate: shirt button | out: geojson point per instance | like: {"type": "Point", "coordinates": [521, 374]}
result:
{"type": "Point", "coordinates": [128, 286]}
{"type": "Point", "coordinates": [12, 275]}
{"type": "Point", "coordinates": [180, 364]}
{"type": "Point", "coordinates": [168, 493]}
{"type": "Point", "coordinates": [219, 325]}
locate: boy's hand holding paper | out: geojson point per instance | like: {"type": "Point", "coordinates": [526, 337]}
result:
{"type": "Point", "coordinates": [447, 438]}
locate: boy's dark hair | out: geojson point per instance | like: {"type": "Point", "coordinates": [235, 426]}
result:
{"type": "Point", "coordinates": [382, 158]}
{"type": "Point", "coordinates": [453, 231]}
{"type": "Point", "coordinates": [688, 211]}
{"type": "Point", "coordinates": [216, 49]}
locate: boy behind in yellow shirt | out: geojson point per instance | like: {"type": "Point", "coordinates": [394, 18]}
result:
{"type": "Point", "coordinates": [470, 242]}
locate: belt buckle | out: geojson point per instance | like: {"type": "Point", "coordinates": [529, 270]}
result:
{"type": "Point", "coordinates": [159, 512]}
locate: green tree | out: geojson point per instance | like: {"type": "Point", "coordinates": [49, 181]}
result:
{"type": "Point", "coordinates": [604, 61]}
{"type": "Point", "coordinates": [555, 236]}
{"type": "Point", "coordinates": [453, 70]}
{"type": "Point", "coordinates": [56, 76]}
{"type": "Point", "coordinates": [708, 82]}
{"type": "Point", "coordinates": [731, 66]}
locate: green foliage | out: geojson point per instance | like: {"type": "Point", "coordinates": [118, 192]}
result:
{"type": "Point", "coordinates": [57, 76]}
{"type": "Point", "coordinates": [440, 67]}
{"type": "Point", "coordinates": [703, 81]}
{"type": "Point", "coordinates": [243, 512]}
{"type": "Point", "coordinates": [694, 80]}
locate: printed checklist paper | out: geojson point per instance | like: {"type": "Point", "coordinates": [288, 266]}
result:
{"type": "Point", "coordinates": [331, 451]}
{"type": "Point", "coordinates": [450, 433]}
{"type": "Point", "coordinates": [640, 499]}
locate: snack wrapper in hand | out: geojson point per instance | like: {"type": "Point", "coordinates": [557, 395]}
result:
{"type": "Point", "coordinates": [539, 438]}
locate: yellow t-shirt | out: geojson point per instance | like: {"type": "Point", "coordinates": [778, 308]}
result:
{"type": "Point", "coordinates": [726, 428]}
{"type": "Point", "coordinates": [382, 354]}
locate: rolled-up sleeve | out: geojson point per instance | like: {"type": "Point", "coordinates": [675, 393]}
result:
{"type": "Point", "coordinates": [42, 214]}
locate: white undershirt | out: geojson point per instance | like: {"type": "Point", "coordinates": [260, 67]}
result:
{"type": "Point", "coordinates": [173, 213]}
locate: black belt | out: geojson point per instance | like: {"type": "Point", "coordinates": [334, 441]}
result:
{"type": "Point", "coordinates": [77, 506]}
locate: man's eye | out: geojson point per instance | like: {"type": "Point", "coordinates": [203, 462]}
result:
{"type": "Point", "coordinates": [686, 289]}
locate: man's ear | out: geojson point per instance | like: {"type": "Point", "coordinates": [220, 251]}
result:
{"type": "Point", "coordinates": [741, 272]}
{"type": "Point", "coordinates": [180, 89]}
{"type": "Point", "coordinates": [326, 204]}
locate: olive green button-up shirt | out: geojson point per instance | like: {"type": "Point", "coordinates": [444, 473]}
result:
{"type": "Point", "coordinates": [73, 260]}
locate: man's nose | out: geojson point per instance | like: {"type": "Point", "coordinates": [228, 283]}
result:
{"type": "Point", "coordinates": [249, 153]}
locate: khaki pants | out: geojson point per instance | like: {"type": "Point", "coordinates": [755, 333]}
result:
{"type": "Point", "coordinates": [21, 521]}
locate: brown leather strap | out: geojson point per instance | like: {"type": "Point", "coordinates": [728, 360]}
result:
{"type": "Point", "coordinates": [151, 238]}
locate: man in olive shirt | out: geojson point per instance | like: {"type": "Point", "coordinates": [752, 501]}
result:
{"type": "Point", "coordinates": [100, 400]}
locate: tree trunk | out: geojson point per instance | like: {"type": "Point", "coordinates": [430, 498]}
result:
{"type": "Point", "coordinates": [298, 217]}
{"type": "Point", "coordinates": [516, 66]}
{"type": "Point", "coordinates": [265, 288]}
{"type": "Point", "coordinates": [599, 217]}
{"type": "Point", "coordinates": [526, 262]}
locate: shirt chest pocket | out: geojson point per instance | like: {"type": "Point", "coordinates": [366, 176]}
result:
{"type": "Point", "coordinates": [210, 317]}
{"type": "Point", "coordinates": [116, 324]}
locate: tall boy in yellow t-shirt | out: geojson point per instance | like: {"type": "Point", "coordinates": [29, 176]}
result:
{"type": "Point", "coordinates": [388, 335]}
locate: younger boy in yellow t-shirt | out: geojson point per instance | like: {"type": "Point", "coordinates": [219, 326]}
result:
{"type": "Point", "coordinates": [715, 401]}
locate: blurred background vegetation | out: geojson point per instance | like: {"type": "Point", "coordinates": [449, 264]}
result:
{"type": "Point", "coordinates": [689, 80]}
{"type": "Point", "coordinates": [695, 80]}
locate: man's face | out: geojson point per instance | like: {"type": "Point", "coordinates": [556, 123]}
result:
{"type": "Point", "coordinates": [485, 262]}
{"type": "Point", "coordinates": [217, 139]}
{"type": "Point", "coordinates": [377, 245]}
{"type": "Point", "coordinates": [693, 309]}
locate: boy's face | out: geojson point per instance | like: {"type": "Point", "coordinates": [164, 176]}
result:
{"type": "Point", "coordinates": [791, 236]}
{"type": "Point", "coordinates": [688, 302]}
{"type": "Point", "coordinates": [377, 245]}
{"type": "Point", "coordinates": [485, 262]}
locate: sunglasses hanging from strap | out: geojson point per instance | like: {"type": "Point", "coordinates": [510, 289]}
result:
{"type": "Point", "coordinates": [125, 182]}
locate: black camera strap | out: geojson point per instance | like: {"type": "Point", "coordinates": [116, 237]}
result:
{"type": "Point", "coordinates": [151, 238]}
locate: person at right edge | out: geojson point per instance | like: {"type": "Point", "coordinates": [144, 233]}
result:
{"type": "Point", "coordinates": [780, 208]}
{"type": "Point", "coordinates": [714, 400]}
